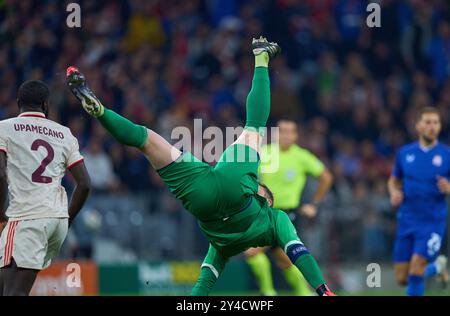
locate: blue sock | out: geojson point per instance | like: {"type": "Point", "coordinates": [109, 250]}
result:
{"type": "Point", "coordinates": [431, 270]}
{"type": "Point", "coordinates": [416, 285]}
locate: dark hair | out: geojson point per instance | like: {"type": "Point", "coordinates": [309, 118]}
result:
{"type": "Point", "coordinates": [32, 94]}
{"type": "Point", "coordinates": [426, 110]}
{"type": "Point", "coordinates": [269, 193]}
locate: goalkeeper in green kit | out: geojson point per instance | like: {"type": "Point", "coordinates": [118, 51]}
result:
{"type": "Point", "coordinates": [230, 205]}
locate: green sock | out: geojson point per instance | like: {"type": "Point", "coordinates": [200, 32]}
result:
{"type": "Point", "coordinates": [260, 266]}
{"type": "Point", "coordinates": [310, 270]}
{"type": "Point", "coordinates": [205, 283]}
{"type": "Point", "coordinates": [123, 130]}
{"type": "Point", "coordinates": [258, 99]}
{"type": "Point", "coordinates": [296, 280]}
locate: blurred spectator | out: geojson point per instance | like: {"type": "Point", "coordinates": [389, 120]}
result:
{"type": "Point", "coordinates": [99, 165]}
{"type": "Point", "coordinates": [439, 53]}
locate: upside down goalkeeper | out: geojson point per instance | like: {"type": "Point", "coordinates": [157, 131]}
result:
{"type": "Point", "coordinates": [227, 200]}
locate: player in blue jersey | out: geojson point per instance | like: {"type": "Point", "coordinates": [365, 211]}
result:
{"type": "Point", "coordinates": [418, 187]}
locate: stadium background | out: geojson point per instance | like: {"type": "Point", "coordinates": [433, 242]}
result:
{"type": "Point", "coordinates": [353, 89]}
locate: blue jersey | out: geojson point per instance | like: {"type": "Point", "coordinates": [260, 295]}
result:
{"type": "Point", "coordinates": [418, 168]}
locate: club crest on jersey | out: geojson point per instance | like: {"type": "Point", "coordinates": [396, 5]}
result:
{"type": "Point", "coordinates": [437, 160]}
{"type": "Point", "coordinates": [410, 158]}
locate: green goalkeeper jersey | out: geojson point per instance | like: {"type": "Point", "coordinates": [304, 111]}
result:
{"type": "Point", "coordinates": [285, 173]}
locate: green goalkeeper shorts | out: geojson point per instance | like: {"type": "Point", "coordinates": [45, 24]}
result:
{"type": "Point", "coordinates": [224, 199]}
{"type": "Point", "coordinates": [213, 193]}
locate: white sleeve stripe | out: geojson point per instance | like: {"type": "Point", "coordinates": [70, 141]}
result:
{"type": "Point", "coordinates": [293, 242]}
{"type": "Point", "coordinates": [207, 265]}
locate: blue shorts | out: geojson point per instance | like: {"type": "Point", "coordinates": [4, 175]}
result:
{"type": "Point", "coordinates": [423, 239]}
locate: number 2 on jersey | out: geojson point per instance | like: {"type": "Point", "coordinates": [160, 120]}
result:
{"type": "Point", "coordinates": [37, 176]}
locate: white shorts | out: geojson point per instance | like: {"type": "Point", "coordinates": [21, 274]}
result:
{"type": "Point", "coordinates": [32, 243]}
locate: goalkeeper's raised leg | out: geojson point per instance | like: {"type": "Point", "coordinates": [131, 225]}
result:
{"type": "Point", "coordinates": [157, 150]}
